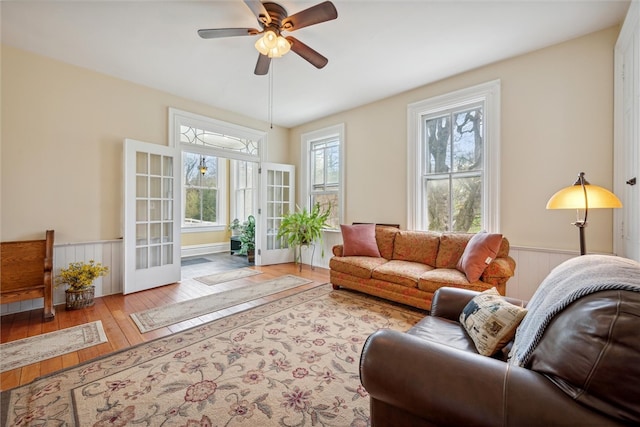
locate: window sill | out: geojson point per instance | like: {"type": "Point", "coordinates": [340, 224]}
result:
{"type": "Point", "coordinates": [203, 229]}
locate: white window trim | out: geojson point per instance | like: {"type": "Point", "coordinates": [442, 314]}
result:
{"type": "Point", "coordinates": [178, 118]}
{"type": "Point", "coordinates": [306, 140]}
{"type": "Point", "coordinates": [489, 93]}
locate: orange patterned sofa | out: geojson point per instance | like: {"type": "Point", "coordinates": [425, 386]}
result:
{"type": "Point", "coordinates": [413, 264]}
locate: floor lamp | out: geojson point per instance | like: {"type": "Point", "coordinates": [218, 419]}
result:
{"type": "Point", "coordinates": [583, 196]}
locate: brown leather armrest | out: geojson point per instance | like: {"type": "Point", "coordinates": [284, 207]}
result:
{"type": "Point", "coordinates": [450, 387]}
{"type": "Point", "coordinates": [337, 250]}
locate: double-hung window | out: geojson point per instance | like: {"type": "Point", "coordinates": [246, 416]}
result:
{"type": "Point", "coordinates": [324, 170]}
{"type": "Point", "coordinates": [454, 171]}
{"type": "Point", "coordinates": [202, 189]}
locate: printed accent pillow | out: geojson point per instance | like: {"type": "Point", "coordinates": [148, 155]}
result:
{"type": "Point", "coordinates": [478, 254]}
{"type": "Point", "coordinates": [359, 240]}
{"type": "Point", "coordinates": [491, 321]}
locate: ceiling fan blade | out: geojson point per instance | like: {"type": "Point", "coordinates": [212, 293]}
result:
{"type": "Point", "coordinates": [262, 66]}
{"type": "Point", "coordinates": [316, 59]}
{"type": "Point", "coordinates": [259, 11]}
{"type": "Point", "coordinates": [216, 33]}
{"type": "Point", "coordinates": [322, 12]}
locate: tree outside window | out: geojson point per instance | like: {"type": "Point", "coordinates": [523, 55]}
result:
{"type": "Point", "coordinates": [453, 169]}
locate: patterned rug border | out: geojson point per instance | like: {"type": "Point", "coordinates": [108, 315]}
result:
{"type": "Point", "coordinates": [143, 324]}
{"type": "Point", "coordinates": [247, 272]}
{"type": "Point", "coordinates": [96, 336]}
{"type": "Point", "coordinates": [168, 344]}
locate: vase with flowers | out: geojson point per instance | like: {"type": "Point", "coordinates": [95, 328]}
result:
{"type": "Point", "coordinates": [79, 278]}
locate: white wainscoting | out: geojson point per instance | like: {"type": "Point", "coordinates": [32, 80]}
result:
{"type": "Point", "coordinates": [108, 252]}
{"type": "Point", "coordinates": [532, 265]}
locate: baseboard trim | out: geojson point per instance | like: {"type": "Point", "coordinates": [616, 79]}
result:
{"type": "Point", "coordinates": [195, 250]}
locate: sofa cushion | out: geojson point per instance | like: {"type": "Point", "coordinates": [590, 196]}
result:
{"type": "Point", "coordinates": [491, 321]}
{"type": "Point", "coordinates": [359, 240]}
{"type": "Point", "coordinates": [359, 266]}
{"type": "Point", "coordinates": [478, 254]}
{"type": "Point", "coordinates": [404, 273]}
{"type": "Point", "coordinates": [416, 246]}
{"type": "Point", "coordinates": [385, 237]}
{"type": "Point", "coordinates": [433, 280]}
{"type": "Point", "coordinates": [451, 248]}
{"type": "Point", "coordinates": [443, 331]}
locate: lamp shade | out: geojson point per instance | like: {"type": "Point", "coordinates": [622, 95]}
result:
{"type": "Point", "coordinates": [573, 198]}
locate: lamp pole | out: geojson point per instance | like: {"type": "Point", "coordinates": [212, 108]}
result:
{"type": "Point", "coordinates": [582, 223]}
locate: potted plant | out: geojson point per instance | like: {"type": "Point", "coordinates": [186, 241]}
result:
{"type": "Point", "coordinates": [248, 238]}
{"type": "Point", "coordinates": [303, 228]}
{"type": "Point", "coordinates": [235, 227]}
{"type": "Point", "coordinates": [79, 278]}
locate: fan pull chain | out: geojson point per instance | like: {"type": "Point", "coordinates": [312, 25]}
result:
{"type": "Point", "coordinates": [271, 94]}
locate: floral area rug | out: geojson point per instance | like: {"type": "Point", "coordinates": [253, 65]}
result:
{"type": "Point", "coordinates": [16, 354]}
{"type": "Point", "coordinates": [166, 315]}
{"type": "Point", "coordinates": [290, 362]}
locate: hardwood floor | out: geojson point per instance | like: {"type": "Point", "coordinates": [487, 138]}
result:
{"type": "Point", "coordinates": [114, 311]}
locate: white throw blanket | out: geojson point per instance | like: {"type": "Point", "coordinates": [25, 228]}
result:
{"type": "Point", "coordinates": [565, 284]}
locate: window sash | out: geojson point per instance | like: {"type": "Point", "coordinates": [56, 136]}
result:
{"type": "Point", "coordinates": [486, 95]}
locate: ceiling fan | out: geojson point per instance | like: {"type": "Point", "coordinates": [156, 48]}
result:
{"type": "Point", "coordinates": [273, 20]}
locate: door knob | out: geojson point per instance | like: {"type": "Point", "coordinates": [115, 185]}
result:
{"type": "Point", "coordinates": [632, 181]}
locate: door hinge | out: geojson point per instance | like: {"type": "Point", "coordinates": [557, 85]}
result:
{"type": "Point", "coordinates": [259, 170]}
{"type": "Point", "coordinates": [259, 251]}
{"type": "Point", "coordinates": [259, 211]}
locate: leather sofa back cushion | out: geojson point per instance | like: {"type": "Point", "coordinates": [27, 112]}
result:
{"type": "Point", "coordinates": [385, 237]}
{"type": "Point", "coordinates": [417, 246]}
{"type": "Point", "coordinates": [591, 347]}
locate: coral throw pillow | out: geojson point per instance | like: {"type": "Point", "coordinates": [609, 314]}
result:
{"type": "Point", "coordinates": [491, 321]}
{"type": "Point", "coordinates": [478, 254]}
{"type": "Point", "coordinates": [359, 240]}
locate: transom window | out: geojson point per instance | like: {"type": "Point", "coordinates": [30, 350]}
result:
{"type": "Point", "coordinates": [208, 146]}
{"type": "Point", "coordinates": [453, 169]}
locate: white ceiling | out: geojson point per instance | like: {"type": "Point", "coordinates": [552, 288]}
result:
{"type": "Point", "coordinates": [375, 48]}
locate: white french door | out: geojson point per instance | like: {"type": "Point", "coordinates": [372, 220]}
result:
{"type": "Point", "coordinates": [627, 136]}
{"type": "Point", "coordinates": [277, 198]}
{"type": "Point", "coordinates": [152, 207]}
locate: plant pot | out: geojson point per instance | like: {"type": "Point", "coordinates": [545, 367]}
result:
{"type": "Point", "coordinates": [251, 256]}
{"type": "Point", "coordinates": [79, 299]}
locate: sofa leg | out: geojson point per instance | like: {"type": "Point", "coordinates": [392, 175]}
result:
{"type": "Point", "coordinates": [336, 287]}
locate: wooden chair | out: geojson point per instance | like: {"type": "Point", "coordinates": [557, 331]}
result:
{"type": "Point", "coordinates": [26, 272]}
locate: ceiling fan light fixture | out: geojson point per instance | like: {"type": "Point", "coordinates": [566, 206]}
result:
{"type": "Point", "coordinates": [273, 45]}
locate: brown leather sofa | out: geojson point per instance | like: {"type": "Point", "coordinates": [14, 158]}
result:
{"type": "Point", "coordinates": [585, 370]}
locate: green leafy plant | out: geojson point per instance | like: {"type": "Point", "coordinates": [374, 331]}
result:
{"type": "Point", "coordinates": [248, 236]}
{"type": "Point", "coordinates": [81, 275]}
{"type": "Point", "coordinates": [302, 228]}
{"type": "Point", "coordinates": [235, 225]}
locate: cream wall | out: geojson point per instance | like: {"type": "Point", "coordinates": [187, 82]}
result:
{"type": "Point", "coordinates": [556, 121]}
{"type": "Point", "coordinates": [62, 139]}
